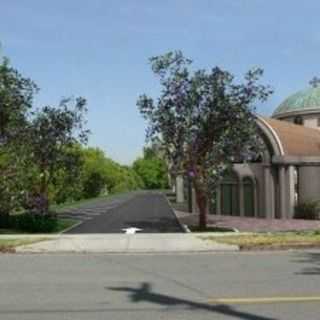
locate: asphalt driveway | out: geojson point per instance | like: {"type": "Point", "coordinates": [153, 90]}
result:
{"type": "Point", "coordinates": [148, 211]}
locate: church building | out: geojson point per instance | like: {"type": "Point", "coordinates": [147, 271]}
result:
{"type": "Point", "coordinates": [288, 171]}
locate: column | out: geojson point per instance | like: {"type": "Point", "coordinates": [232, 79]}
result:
{"type": "Point", "coordinates": [282, 190]}
{"type": "Point", "coordinates": [218, 200]}
{"type": "Point", "coordinates": [241, 198]}
{"type": "Point", "coordinates": [256, 201]}
{"type": "Point", "coordinates": [179, 189]}
{"type": "Point", "coordinates": [291, 191]}
{"type": "Point", "coordinates": [269, 205]}
{"type": "Point", "coordinates": [195, 208]}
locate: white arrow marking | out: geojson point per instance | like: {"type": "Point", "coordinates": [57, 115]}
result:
{"type": "Point", "coordinates": [131, 230]}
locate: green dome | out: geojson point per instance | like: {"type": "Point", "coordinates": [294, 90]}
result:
{"type": "Point", "coordinates": [303, 100]}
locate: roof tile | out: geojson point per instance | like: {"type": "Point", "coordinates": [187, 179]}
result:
{"type": "Point", "coordinates": [296, 140]}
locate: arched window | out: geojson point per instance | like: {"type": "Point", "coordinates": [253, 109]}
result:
{"type": "Point", "coordinates": [248, 194]}
{"type": "Point", "coordinates": [298, 120]}
{"type": "Point", "coordinates": [230, 195]}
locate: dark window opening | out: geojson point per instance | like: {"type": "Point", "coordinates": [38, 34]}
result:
{"type": "Point", "coordinates": [248, 193]}
{"type": "Point", "coordinates": [298, 120]}
{"type": "Point", "coordinates": [230, 195]}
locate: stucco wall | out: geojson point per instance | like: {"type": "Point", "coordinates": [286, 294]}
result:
{"type": "Point", "coordinates": [309, 183]}
{"type": "Point", "coordinates": [257, 169]}
{"type": "Point", "coordinates": [309, 120]}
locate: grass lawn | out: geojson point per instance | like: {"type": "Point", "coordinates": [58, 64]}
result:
{"type": "Point", "coordinates": [280, 240]}
{"type": "Point", "coordinates": [64, 224]}
{"type": "Point", "coordinates": [8, 245]}
{"type": "Point", "coordinates": [75, 204]}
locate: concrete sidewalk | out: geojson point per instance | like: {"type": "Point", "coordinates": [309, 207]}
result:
{"type": "Point", "coordinates": [123, 243]}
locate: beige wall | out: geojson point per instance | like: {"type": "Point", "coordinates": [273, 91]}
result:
{"type": "Point", "coordinates": [309, 120]}
{"type": "Point", "coordinates": [309, 183]}
{"type": "Point", "coordinates": [275, 187]}
{"type": "Point", "coordinates": [257, 169]}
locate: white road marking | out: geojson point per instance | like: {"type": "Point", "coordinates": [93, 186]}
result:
{"type": "Point", "coordinates": [131, 230]}
{"type": "Point", "coordinates": [265, 300]}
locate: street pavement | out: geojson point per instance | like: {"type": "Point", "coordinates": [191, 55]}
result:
{"type": "Point", "coordinates": [148, 211]}
{"type": "Point", "coordinates": [144, 287]}
{"type": "Point", "coordinates": [93, 208]}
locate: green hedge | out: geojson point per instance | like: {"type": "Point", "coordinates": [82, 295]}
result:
{"type": "Point", "coordinates": [309, 210]}
{"type": "Point", "coordinates": [30, 222]}
{"type": "Point", "coordinates": [4, 220]}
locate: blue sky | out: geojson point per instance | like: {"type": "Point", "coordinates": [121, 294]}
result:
{"type": "Point", "coordinates": [99, 49]}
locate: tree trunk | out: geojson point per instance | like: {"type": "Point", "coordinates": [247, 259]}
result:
{"type": "Point", "coordinates": [202, 203]}
{"type": "Point", "coordinates": [44, 196]}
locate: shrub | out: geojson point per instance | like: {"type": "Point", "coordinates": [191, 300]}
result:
{"type": "Point", "coordinates": [93, 185]}
{"type": "Point", "coordinates": [309, 210]}
{"type": "Point", "coordinates": [121, 187]}
{"type": "Point", "coordinates": [153, 172]}
{"type": "Point", "coordinates": [4, 220]}
{"type": "Point", "coordinates": [34, 223]}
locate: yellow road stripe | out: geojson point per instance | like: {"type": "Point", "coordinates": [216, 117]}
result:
{"type": "Point", "coordinates": [264, 300]}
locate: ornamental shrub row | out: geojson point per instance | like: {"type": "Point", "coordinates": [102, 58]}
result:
{"type": "Point", "coordinates": [27, 222]}
{"type": "Point", "coordinates": [309, 210]}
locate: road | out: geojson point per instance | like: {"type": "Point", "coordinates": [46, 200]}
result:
{"type": "Point", "coordinates": [144, 287]}
{"type": "Point", "coordinates": [149, 212]}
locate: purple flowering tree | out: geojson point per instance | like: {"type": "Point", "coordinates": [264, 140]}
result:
{"type": "Point", "coordinates": [204, 119]}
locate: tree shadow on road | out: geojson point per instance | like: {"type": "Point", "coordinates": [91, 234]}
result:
{"type": "Point", "coordinates": [312, 260]}
{"type": "Point", "coordinates": [146, 294]}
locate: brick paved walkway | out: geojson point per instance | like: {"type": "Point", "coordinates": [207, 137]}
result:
{"type": "Point", "coordinates": [251, 224]}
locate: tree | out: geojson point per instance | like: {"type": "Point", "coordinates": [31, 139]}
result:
{"type": "Point", "coordinates": [204, 120]}
{"type": "Point", "coordinates": [66, 184]}
{"type": "Point", "coordinates": [128, 180]}
{"type": "Point", "coordinates": [152, 169]}
{"type": "Point", "coordinates": [51, 133]}
{"type": "Point", "coordinates": [98, 173]}
{"type": "Point", "coordinates": [16, 96]}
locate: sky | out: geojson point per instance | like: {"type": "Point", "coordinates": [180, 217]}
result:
{"type": "Point", "coordinates": [99, 49]}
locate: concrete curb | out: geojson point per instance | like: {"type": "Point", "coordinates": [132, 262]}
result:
{"type": "Point", "coordinates": [122, 243]}
{"type": "Point", "coordinates": [184, 227]}
{"type": "Point", "coordinates": [128, 252]}
{"type": "Point", "coordinates": [72, 227]}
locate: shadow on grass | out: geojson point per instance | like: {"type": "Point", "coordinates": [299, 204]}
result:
{"type": "Point", "coordinates": [146, 294]}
